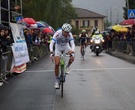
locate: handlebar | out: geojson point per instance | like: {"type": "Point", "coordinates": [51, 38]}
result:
{"type": "Point", "coordinates": [62, 55]}
{"type": "Point", "coordinates": [66, 55]}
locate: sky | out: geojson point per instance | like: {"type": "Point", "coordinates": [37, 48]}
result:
{"type": "Point", "coordinates": [110, 8]}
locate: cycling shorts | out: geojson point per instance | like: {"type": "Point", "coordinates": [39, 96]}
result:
{"type": "Point", "coordinates": [82, 43]}
{"type": "Point", "coordinates": [59, 49]}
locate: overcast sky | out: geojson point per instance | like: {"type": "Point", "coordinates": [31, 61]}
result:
{"type": "Point", "coordinates": [111, 8]}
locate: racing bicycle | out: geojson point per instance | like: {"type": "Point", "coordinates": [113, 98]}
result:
{"type": "Point", "coordinates": [62, 70]}
{"type": "Point", "coordinates": [83, 47]}
{"type": "Point", "coordinates": [83, 51]}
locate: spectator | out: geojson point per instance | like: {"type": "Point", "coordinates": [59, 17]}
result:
{"type": "Point", "coordinates": [7, 36]}
{"type": "Point", "coordinates": [4, 58]}
{"type": "Point", "coordinates": [28, 38]}
{"type": "Point", "coordinates": [47, 40]}
{"type": "Point", "coordinates": [5, 39]}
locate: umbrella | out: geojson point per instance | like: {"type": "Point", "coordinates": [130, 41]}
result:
{"type": "Point", "coordinates": [126, 26]}
{"type": "Point", "coordinates": [52, 29]}
{"type": "Point", "coordinates": [109, 28]}
{"type": "Point", "coordinates": [33, 26]}
{"type": "Point", "coordinates": [40, 25]}
{"type": "Point", "coordinates": [122, 29]}
{"type": "Point", "coordinates": [116, 27]}
{"type": "Point", "coordinates": [44, 23]}
{"type": "Point", "coordinates": [29, 20]}
{"type": "Point", "coordinates": [127, 22]}
{"type": "Point", "coordinates": [47, 30]}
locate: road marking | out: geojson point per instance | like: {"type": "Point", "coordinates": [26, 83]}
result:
{"type": "Point", "coordinates": [92, 69]}
{"type": "Point", "coordinates": [102, 69]}
{"type": "Point", "coordinates": [35, 71]}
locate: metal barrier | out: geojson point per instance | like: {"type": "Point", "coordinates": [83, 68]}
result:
{"type": "Point", "coordinates": [6, 59]}
{"type": "Point", "coordinates": [122, 46]}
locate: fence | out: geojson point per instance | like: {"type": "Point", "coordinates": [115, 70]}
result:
{"type": "Point", "coordinates": [6, 59]}
{"type": "Point", "coordinates": [124, 46]}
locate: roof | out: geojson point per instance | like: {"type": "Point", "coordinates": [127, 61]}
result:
{"type": "Point", "coordinates": [84, 13]}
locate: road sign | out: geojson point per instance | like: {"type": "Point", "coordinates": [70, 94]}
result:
{"type": "Point", "coordinates": [18, 18]}
{"type": "Point", "coordinates": [131, 13]}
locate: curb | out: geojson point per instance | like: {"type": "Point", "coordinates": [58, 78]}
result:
{"type": "Point", "coordinates": [122, 56]}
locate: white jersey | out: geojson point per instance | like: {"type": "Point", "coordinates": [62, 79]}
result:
{"type": "Point", "coordinates": [60, 39]}
{"type": "Point", "coordinates": [61, 42]}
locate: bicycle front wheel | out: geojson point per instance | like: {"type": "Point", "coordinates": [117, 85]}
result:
{"type": "Point", "coordinates": [62, 80]}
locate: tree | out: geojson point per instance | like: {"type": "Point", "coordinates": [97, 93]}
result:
{"type": "Point", "coordinates": [107, 23]}
{"type": "Point", "coordinates": [54, 12]}
{"type": "Point", "coordinates": [131, 6]}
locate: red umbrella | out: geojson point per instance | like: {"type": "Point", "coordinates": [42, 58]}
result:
{"type": "Point", "coordinates": [29, 20]}
{"type": "Point", "coordinates": [47, 30]}
{"type": "Point", "coordinates": [128, 22]}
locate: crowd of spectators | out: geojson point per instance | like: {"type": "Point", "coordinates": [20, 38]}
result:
{"type": "Point", "coordinates": [37, 43]}
{"type": "Point", "coordinates": [35, 37]}
{"type": "Point", "coordinates": [127, 38]}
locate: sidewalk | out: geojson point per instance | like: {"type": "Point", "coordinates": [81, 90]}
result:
{"type": "Point", "coordinates": [121, 55]}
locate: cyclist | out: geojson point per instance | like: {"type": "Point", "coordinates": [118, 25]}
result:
{"type": "Point", "coordinates": [62, 38]}
{"type": "Point", "coordinates": [83, 39]}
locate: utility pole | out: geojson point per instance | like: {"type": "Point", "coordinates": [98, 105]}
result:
{"type": "Point", "coordinates": [127, 6]}
{"type": "Point", "coordinates": [111, 15]}
{"type": "Point", "coordinates": [117, 20]}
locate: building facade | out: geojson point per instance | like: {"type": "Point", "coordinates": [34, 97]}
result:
{"type": "Point", "coordinates": [10, 10]}
{"type": "Point", "coordinates": [88, 20]}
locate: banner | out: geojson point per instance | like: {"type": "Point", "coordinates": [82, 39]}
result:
{"type": "Point", "coordinates": [17, 32]}
{"type": "Point", "coordinates": [20, 53]}
{"type": "Point", "coordinates": [19, 69]}
{"type": "Point", "coordinates": [19, 49]}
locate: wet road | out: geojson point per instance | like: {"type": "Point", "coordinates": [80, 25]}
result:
{"type": "Point", "coordinates": [97, 83]}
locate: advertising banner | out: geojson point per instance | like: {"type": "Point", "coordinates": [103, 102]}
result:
{"type": "Point", "coordinates": [19, 49]}
{"type": "Point", "coordinates": [20, 53]}
{"type": "Point", "coordinates": [17, 32]}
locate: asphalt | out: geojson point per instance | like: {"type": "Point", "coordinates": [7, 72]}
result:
{"type": "Point", "coordinates": [122, 55]}
{"type": "Point", "coordinates": [30, 90]}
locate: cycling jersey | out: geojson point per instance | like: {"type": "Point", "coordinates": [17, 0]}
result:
{"type": "Point", "coordinates": [83, 38]}
{"type": "Point", "coordinates": [62, 42]}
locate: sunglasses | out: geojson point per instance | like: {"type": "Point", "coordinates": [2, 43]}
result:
{"type": "Point", "coordinates": [66, 32]}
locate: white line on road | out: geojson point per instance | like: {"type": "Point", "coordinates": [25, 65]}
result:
{"type": "Point", "coordinates": [85, 69]}
{"type": "Point", "coordinates": [102, 69]}
{"type": "Point", "coordinates": [35, 71]}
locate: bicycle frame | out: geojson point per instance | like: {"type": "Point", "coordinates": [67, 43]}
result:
{"type": "Point", "coordinates": [82, 51]}
{"type": "Point", "coordinates": [83, 47]}
{"type": "Point", "coordinates": [62, 60]}
{"type": "Point", "coordinates": [62, 72]}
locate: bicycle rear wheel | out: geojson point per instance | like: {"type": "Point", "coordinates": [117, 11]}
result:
{"type": "Point", "coordinates": [62, 80]}
{"type": "Point", "coordinates": [83, 52]}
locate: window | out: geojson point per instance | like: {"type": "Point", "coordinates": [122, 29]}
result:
{"type": "Point", "coordinates": [96, 23]}
{"type": "Point", "coordinates": [77, 24]}
{"type": "Point", "coordinates": [85, 23]}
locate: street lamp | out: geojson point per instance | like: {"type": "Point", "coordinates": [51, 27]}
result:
{"type": "Point", "coordinates": [127, 6]}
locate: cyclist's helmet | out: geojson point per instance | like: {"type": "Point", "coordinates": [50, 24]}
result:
{"type": "Point", "coordinates": [83, 31]}
{"type": "Point", "coordinates": [66, 27]}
